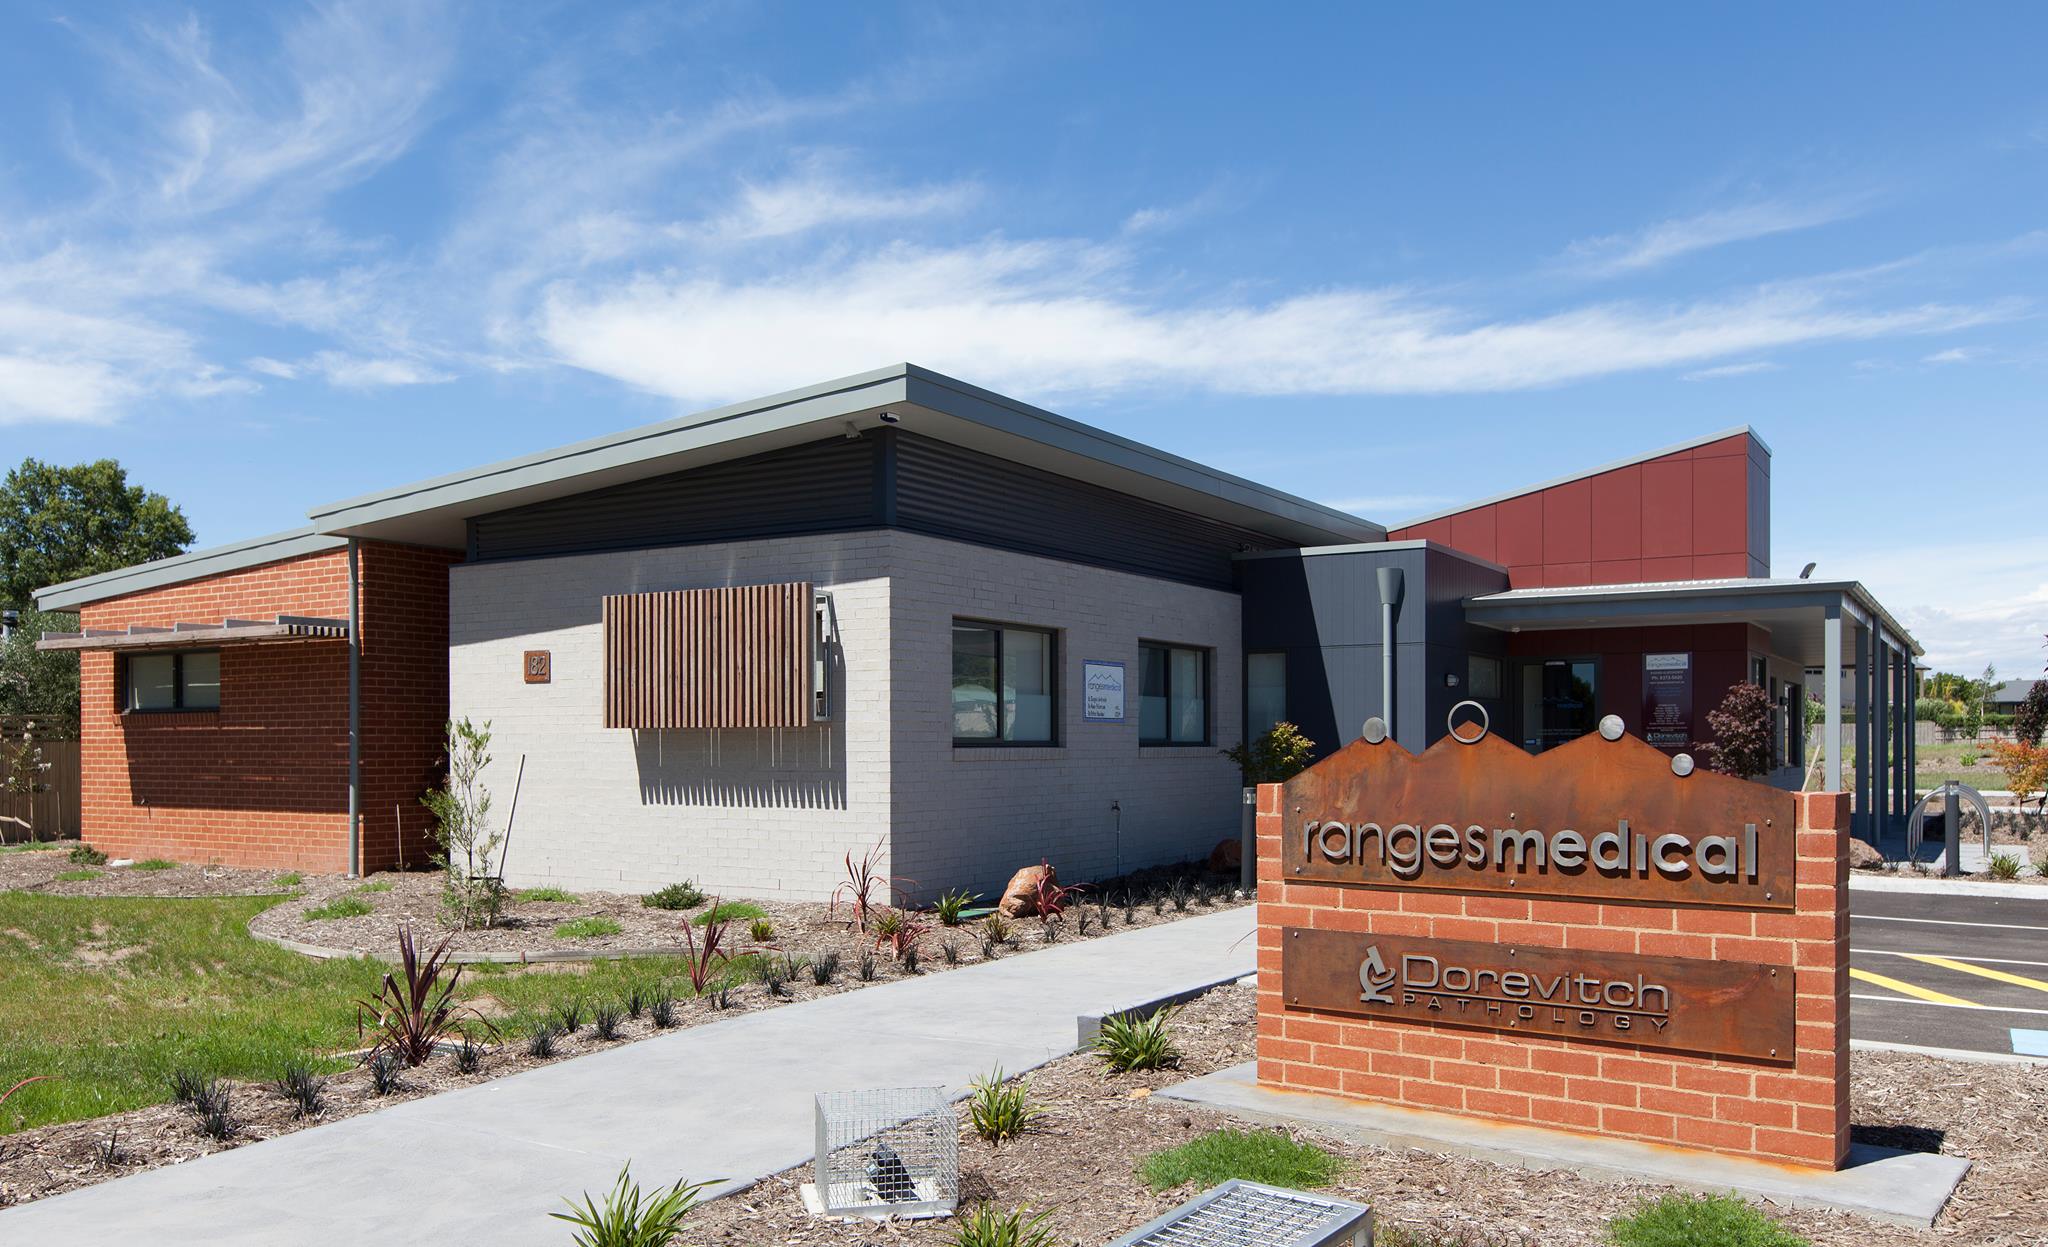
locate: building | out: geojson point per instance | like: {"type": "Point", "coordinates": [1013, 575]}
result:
{"type": "Point", "coordinates": [898, 610]}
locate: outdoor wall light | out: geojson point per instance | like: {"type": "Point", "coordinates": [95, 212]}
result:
{"type": "Point", "coordinates": [1450, 679]}
{"type": "Point", "coordinates": [890, 417]}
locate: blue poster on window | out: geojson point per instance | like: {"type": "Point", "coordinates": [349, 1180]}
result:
{"type": "Point", "coordinates": [1102, 691]}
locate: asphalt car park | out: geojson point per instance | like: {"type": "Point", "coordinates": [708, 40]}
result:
{"type": "Point", "coordinates": [1950, 971]}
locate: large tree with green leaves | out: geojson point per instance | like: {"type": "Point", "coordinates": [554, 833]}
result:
{"type": "Point", "coordinates": [38, 684]}
{"type": "Point", "coordinates": [60, 523]}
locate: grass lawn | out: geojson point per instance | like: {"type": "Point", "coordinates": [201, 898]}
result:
{"type": "Point", "coordinates": [109, 995]}
{"type": "Point", "coordinates": [1255, 1155]}
{"type": "Point", "coordinates": [28, 846]}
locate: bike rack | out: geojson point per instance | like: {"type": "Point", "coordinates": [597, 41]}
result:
{"type": "Point", "coordinates": [1951, 792]}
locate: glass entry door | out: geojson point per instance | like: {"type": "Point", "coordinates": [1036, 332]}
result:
{"type": "Point", "coordinates": [1559, 697]}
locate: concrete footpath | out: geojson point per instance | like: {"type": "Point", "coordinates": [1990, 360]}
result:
{"type": "Point", "coordinates": [729, 1100]}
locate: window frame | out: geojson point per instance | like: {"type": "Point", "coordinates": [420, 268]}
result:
{"type": "Point", "coordinates": [1208, 655]}
{"type": "Point", "coordinates": [1054, 690]}
{"type": "Point", "coordinates": [124, 687]}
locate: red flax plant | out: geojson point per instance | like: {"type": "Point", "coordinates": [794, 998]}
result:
{"type": "Point", "coordinates": [863, 880]}
{"type": "Point", "coordinates": [415, 1010]}
{"type": "Point", "coordinates": [899, 930]}
{"type": "Point", "coordinates": [1048, 898]}
{"type": "Point", "coordinates": [700, 960]}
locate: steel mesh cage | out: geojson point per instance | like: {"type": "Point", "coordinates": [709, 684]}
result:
{"type": "Point", "coordinates": [893, 1152]}
{"type": "Point", "coordinates": [1249, 1214]}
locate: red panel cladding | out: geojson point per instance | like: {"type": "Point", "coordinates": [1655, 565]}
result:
{"type": "Point", "coordinates": [1617, 515]}
{"type": "Point", "coordinates": [1474, 532]}
{"type": "Point", "coordinates": [1618, 572]}
{"type": "Point", "coordinates": [1520, 530]}
{"type": "Point", "coordinates": [1438, 531]}
{"type": "Point", "coordinates": [1677, 568]}
{"type": "Point", "coordinates": [1720, 506]}
{"type": "Point", "coordinates": [1667, 508]}
{"type": "Point", "coordinates": [1568, 525]}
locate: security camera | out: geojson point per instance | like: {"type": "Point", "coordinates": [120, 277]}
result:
{"type": "Point", "coordinates": [890, 417]}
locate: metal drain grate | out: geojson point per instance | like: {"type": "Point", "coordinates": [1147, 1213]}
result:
{"type": "Point", "coordinates": [1246, 1214]}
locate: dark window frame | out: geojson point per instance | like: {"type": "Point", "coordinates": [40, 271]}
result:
{"type": "Point", "coordinates": [124, 685]}
{"type": "Point", "coordinates": [1053, 690]}
{"type": "Point", "coordinates": [1208, 654]}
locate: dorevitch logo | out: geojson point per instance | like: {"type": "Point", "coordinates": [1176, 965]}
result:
{"type": "Point", "coordinates": [1374, 977]}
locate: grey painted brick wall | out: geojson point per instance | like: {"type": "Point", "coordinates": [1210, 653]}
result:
{"type": "Point", "coordinates": [774, 812]}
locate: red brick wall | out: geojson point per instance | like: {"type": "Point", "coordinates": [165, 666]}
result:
{"type": "Point", "coordinates": [1797, 1112]}
{"type": "Point", "coordinates": [1698, 513]}
{"type": "Point", "coordinates": [263, 781]}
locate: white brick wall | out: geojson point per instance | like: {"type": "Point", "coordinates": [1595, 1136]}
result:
{"type": "Point", "coordinates": [774, 813]}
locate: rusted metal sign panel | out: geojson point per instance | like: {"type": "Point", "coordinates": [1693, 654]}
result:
{"type": "Point", "coordinates": [1593, 819]}
{"type": "Point", "coordinates": [1680, 1004]}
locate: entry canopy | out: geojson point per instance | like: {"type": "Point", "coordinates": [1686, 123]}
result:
{"type": "Point", "coordinates": [1793, 611]}
{"type": "Point", "coordinates": [230, 631]}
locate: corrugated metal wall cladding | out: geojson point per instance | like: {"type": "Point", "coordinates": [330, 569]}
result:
{"type": "Point", "coordinates": [695, 658]}
{"type": "Point", "coordinates": [817, 487]}
{"type": "Point", "coordinates": [948, 491]}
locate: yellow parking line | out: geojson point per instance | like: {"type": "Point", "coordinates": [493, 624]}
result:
{"type": "Point", "coordinates": [1897, 985]}
{"type": "Point", "coordinates": [2017, 980]}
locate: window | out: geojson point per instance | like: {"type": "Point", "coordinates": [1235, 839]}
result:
{"type": "Point", "coordinates": [1482, 676]}
{"type": "Point", "coordinates": [1004, 685]}
{"type": "Point", "coordinates": [1173, 695]}
{"type": "Point", "coordinates": [1265, 692]}
{"type": "Point", "coordinates": [181, 681]}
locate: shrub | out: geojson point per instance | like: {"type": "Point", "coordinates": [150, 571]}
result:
{"type": "Point", "coordinates": [2031, 723]}
{"type": "Point", "coordinates": [340, 907]}
{"type": "Point", "coordinates": [194, 1091]}
{"type": "Point", "coordinates": [384, 1068]}
{"type": "Point", "coordinates": [951, 905]}
{"type": "Point", "coordinates": [729, 911]}
{"type": "Point", "coordinates": [302, 1089]}
{"type": "Point", "coordinates": [863, 880]}
{"type": "Point", "coordinates": [155, 863]}
{"type": "Point", "coordinates": [700, 960]}
{"type": "Point", "coordinates": [469, 1057]}
{"type": "Point", "coordinates": [541, 1042]}
{"type": "Point", "coordinates": [899, 930]}
{"type": "Point", "coordinates": [867, 968]}
{"type": "Point", "coordinates": [684, 895]}
{"type": "Point", "coordinates": [1699, 1221]}
{"type": "Point", "coordinates": [636, 1001]}
{"type": "Point", "coordinates": [1966, 759]}
{"type": "Point", "coordinates": [662, 1012]}
{"type": "Point", "coordinates": [2025, 767]}
{"type": "Point", "coordinates": [1928, 709]}
{"type": "Point", "coordinates": [415, 1010]}
{"type": "Point", "coordinates": [471, 852]}
{"type": "Point", "coordinates": [825, 969]}
{"type": "Point", "coordinates": [550, 896]}
{"type": "Point", "coordinates": [761, 931]}
{"type": "Point", "coordinates": [951, 952]}
{"type": "Point", "coordinates": [774, 978]}
{"type": "Point", "coordinates": [1128, 1043]}
{"type": "Point", "coordinates": [1742, 733]}
{"type": "Point", "coordinates": [569, 1015]}
{"type": "Point", "coordinates": [1268, 1156]}
{"type": "Point", "coordinates": [593, 927]}
{"type": "Point", "coordinates": [75, 876]}
{"type": "Point", "coordinates": [985, 1227]}
{"type": "Point", "coordinates": [1275, 757]}
{"type": "Point", "coordinates": [997, 928]}
{"type": "Point", "coordinates": [2005, 866]}
{"type": "Point", "coordinates": [999, 1110]}
{"type": "Point", "coordinates": [607, 1020]}
{"type": "Point", "coordinates": [86, 855]}
{"type": "Point", "coordinates": [627, 1218]}
{"type": "Point", "coordinates": [1049, 899]}
{"type": "Point", "coordinates": [216, 1122]}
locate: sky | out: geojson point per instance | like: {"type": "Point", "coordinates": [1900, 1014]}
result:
{"type": "Point", "coordinates": [1385, 257]}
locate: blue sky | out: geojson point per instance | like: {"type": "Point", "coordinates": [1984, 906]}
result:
{"type": "Point", "coordinates": [1382, 257]}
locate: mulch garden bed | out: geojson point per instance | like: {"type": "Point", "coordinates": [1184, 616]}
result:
{"type": "Point", "coordinates": [801, 929]}
{"type": "Point", "coordinates": [1079, 1164]}
{"type": "Point", "coordinates": [38, 872]}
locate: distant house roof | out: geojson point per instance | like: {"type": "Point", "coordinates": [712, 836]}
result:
{"type": "Point", "coordinates": [2013, 692]}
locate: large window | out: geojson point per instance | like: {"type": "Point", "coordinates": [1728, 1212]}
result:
{"type": "Point", "coordinates": [1265, 692]}
{"type": "Point", "coordinates": [188, 680]}
{"type": "Point", "coordinates": [1005, 685]}
{"type": "Point", "coordinates": [1173, 695]}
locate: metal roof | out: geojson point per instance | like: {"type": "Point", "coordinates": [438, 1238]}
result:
{"type": "Point", "coordinates": [183, 567]}
{"type": "Point", "coordinates": [229, 631]}
{"type": "Point", "coordinates": [1553, 604]}
{"type": "Point", "coordinates": [1705, 440]}
{"type": "Point", "coordinates": [434, 511]}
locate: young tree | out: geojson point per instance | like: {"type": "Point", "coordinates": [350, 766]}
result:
{"type": "Point", "coordinates": [2031, 722]}
{"type": "Point", "coordinates": [1275, 757]}
{"type": "Point", "coordinates": [1742, 733]}
{"type": "Point", "coordinates": [473, 888]}
{"type": "Point", "coordinates": [60, 523]}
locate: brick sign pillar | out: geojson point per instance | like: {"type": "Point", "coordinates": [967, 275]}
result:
{"type": "Point", "coordinates": [1665, 959]}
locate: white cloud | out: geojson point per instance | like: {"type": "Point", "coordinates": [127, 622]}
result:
{"type": "Point", "coordinates": [1052, 317]}
{"type": "Point", "coordinates": [803, 204]}
{"type": "Point", "coordinates": [1384, 507]}
{"type": "Point", "coordinates": [1953, 355]}
{"type": "Point", "coordinates": [1724, 371]}
{"type": "Point", "coordinates": [1613, 254]}
{"type": "Point", "coordinates": [1968, 603]}
{"type": "Point", "coordinates": [61, 365]}
{"type": "Point", "coordinates": [271, 367]}
{"type": "Point", "coordinates": [353, 372]}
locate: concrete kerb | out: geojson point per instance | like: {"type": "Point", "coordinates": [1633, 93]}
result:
{"type": "Point", "coordinates": [1866, 881]}
{"type": "Point", "coordinates": [1904, 1188]}
{"type": "Point", "coordinates": [546, 956]}
{"type": "Point", "coordinates": [1088, 1026]}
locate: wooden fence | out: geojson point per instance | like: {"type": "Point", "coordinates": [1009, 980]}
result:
{"type": "Point", "coordinates": [52, 813]}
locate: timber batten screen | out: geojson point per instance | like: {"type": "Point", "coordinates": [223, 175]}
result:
{"type": "Point", "coordinates": [684, 658]}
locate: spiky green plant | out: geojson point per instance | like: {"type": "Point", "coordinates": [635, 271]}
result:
{"type": "Point", "coordinates": [998, 1110]}
{"type": "Point", "coordinates": [628, 1218]}
{"type": "Point", "coordinates": [1127, 1042]}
